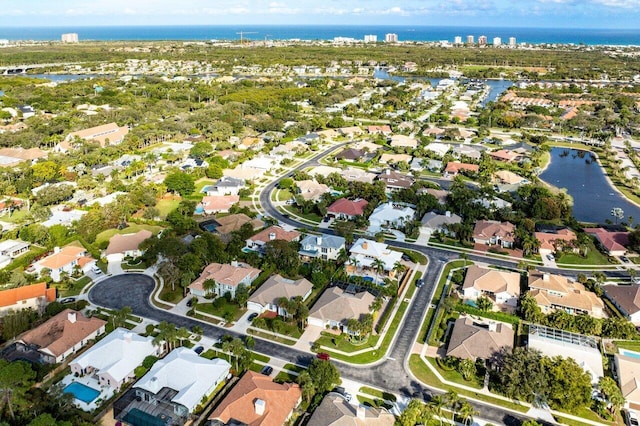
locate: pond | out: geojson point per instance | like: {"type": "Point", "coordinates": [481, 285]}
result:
{"type": "Point", "coordinates": [583, 178]}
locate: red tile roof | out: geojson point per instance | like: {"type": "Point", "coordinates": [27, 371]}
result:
{"type": "Point", "coordinates": [280, 234]}
{"type": "Point", "coordinates": [348, 207]}
{"type": "Point", "coordinates": [14, 295]}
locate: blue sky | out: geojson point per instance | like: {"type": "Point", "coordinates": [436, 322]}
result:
{"type": "Point", "coordinates": [501, 13]}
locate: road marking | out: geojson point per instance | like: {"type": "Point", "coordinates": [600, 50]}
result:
{"type": "Point", "coordinates": [392, 359]}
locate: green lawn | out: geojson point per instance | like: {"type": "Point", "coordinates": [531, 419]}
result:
{"type": "Point", "coordinates": [594, 257]}
{"type": "Point", "coordinates": [169, 295]}
{"type": "Point", "coordinates": [166, 206]}
{"type": "Point", "coordinates": [293, 367]}
{"type": "Point", "coordinates": [222, 308]}
{"type": "Point", "coordinates": [283, 195]}
{"type": "Point", "coordinates": [288, 328]}
{"type": "Point", "coordinates": [74, 288]}
{"type": "Point", "coordinates": [312, 217]}
{"type": "Point", "coordinates": [106, 235]}
{"type": "Point", "coordinates": [342, 343]}
{"type": "Point", "coordinates": [630, 345]}
{"type": "Point", "coordinates": [454, 376]}
{"type": "Point", "coordinates": [424, 374]}
{"type": "Point", "coordinates": [377, 393]}
{"type": "Point", "coordinates": [202, 183]}
{"type": "Point", "coordinates": [17, 216]}
{"type": "Point", "coordinates": [268, 336]}
{"type": "Point", "coordinates": [261, 358]}
{"type": "Point", "coordinates": [284, 377]}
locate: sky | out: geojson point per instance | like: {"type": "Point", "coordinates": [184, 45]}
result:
{"type": "Point", "coordinates": [614, 14]}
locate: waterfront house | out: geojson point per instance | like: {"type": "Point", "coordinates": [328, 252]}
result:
{"type": "Point", "coordinates": [626, 298]}
{"type": "Point", "coordinates": [555, 242]}
{"type": "Point", "coordinates": [614, 243]}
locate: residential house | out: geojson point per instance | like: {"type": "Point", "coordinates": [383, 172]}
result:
{"type": "Point", "coordinates": [507, 177]}
{"type": "Point", "coordinates": [226, 278]}
{"type": "Point", "coordinates": [504, 155]}
{"type": "Point", "coordinates": [402, 141]}
{"type": "Point", "coordinates": [554, 242]}
{"type": "Point", "coordinates": [335, 410]}
{"type": "Point", "coordinates": [479, 339]}
{"type": "Point", "coordinates": [310, 190]}
{"type": "Point", "coordinates": [394, 158]}
{"type": "Point", "coordinates": [11, 157]}
{"type": "Point", "coordinates": [350, 154]}
{"type": "Point", "coordinates": [107, 134]}
{"type": "Point", "coordinates": [357, 175]}
{"type": "Point", "coordinates": [493, 203]}
{"type": "Point", "coordinates": [627, 371]}
{"type": "Point", "coordinates": [174, 387]}
{"type": "Point", "coordinates": [224, 186]}
{"type": "Point", "coordinates": [114, 358]}
{"type": "Point", "coordinates": [350, 132]}
{"type": "Point", "coordinates": [218, 203]}
{"type": "Point", "coordinates": [34, 296]}
{"type": "Point", "coordinates": [367, 146]}
{"type": "Point", "coordinates": [502, 287]}
{"type": "Point", "coordinates": [553, 292]}
{"type": "Point", "coordinates": [626, 298]}
{"type": "Point", "coordinates": [9, 205]}
{"type": "Point", "coordinates": [65, 260]}
{"type": "Point", "coordinates": [266, 297]}
{"type": "Point", "coordinates": [439, 149]}
{"type": "Point", "coordinates": [323, 246]}
{"type": "Point", "coordinates": [264, 163]}
{"type": "Point", "coordinates": [257, 400]}
{"type": "Point", "coordinates": [126, 245]}
{"type": "Point", "coordinates": [440, 194]}
{"type": "Point", "coordinates": [324, 171]}
{"type": "Point", "coordinates": [365, 256]}
{"type": "Point", "coordinates": [193, 163]}
{"type": "Point", "coordinates": [27, 111]}
{"type": "Point", "coordinates": [614, 243]}
{"type": "Point", "coordinates": [10, 249]}
{"type": "Point", "coordinates": [335, 307]}
{"type": "Point", "coordinates": [433, 221]}
{"type": "Point", "coordinates": [390, 215]}
{"type": "Point", "coordinates": [395, 181]}
{"type": "Point", "coordinates": [251, 143]}
{"type": "Point", "coordinates": [309, 138]}
{"type": "Point", "coordinates": [244, 172]}
{"type": "Point", "coordinates": [455, 167]}
{"type": "Point", "coordinates": [379, 130]}
{"type": "Point", "coordinates": [60, 336]}
{"type": "Point", "coordinates": [347, 209]}
{"type": "Point", "coordinates": [225, 225]}
{"type": "Point", "coordinates": [63, 217]}
{"type": "Point", "coordinates": [467, 151]}
{"type": "Point", "coordinates": [257, 242]}
{"type": "Point", "coordinates": [435, 132]}
{"type": "Point", "coordinates": [492, 232]}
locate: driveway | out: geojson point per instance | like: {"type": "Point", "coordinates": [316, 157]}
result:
{"type": "Point", "coordinates": [310, 335]}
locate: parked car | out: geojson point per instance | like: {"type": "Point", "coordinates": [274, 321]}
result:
{"type": "Point", "coordinates": [198, 349]}
{"type": "Point", "coordinates": [632, 418]}
{"type": "Point", "coordinates": [190, 302]}
{"type": "Point", "coordinates": [550, 257]}
{"type": "Point", "coordinates": [68, 300]}
{"type": "Point", "coordinates": [625, 259]}
{"type": "Point", "coordinates": [266, 370]}
{"type": "Point", "coordinates": [252, 316]}
{"type": "Point", "coordinates": [96, 270]}
{"type": "Point", "coordinates": [326, 219]}
{"type": "Point", "coordinates": [341, 390]}
{"type": "Point", "coordinates": [419, 283]}
{"type": "Point", "coordinates": [290, 202]}
{"type": "Point", "coordinates": [323, 356]}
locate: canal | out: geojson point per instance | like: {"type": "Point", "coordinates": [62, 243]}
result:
{"type": "Point", "coordinates": [584, 179]}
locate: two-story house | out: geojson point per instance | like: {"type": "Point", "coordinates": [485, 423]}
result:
{"type": "Point", "coordinates": [225, 278]}
{"type": "Point", "coordinates": [492, 232]}
{"type": "Point", "coordinates": [502, 287]}
{"type": "Point", "coordinates": [65, 261]}
{"type": "Point", "coordinates": [372, 260]}
{"type": "Point", "coordinates": [552, 292]}
{"type": "Point", "coordinates": [325, 247]}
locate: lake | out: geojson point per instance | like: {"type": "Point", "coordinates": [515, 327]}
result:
{"type": "Point", "coordinates": [584, 179]}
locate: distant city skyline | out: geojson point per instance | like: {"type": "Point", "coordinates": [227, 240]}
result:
{"type": "Point", "coordinates": [613, 14]}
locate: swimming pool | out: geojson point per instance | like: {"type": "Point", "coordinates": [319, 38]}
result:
{"type": "Point", "coordinates": [210, 226]}
{"type": "Point", "coordinates": [629, 353]}
{"type": "Point", "coordinates": [81, 392]}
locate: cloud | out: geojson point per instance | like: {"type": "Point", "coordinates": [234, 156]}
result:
{"type": "Point", "coordinates": [622, 4]}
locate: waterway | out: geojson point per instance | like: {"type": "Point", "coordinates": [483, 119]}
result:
{"type": "Point", "coordinates": [583, 178]}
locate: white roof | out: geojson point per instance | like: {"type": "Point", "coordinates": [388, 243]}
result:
{"type": "Point", "coordinates": [187, 373]}
{"type": "Point", "coordinates": [366, 251]}
{"type": "Point", "coordinates": [63, 218]}
{"type": "Point", "coordinates": [118, 354]}
{"type": "Point", "coordinates": [107, 199]}
{"type": "Point", "coordinates": [438, 148]}
{"type": "Point", "coordinates": [389, 213]}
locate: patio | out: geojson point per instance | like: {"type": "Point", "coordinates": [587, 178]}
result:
{"type": "Point", "coordinates": [106, 392]}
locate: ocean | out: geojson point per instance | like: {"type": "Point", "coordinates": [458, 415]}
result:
{"type": "Point", "coordinates": [327, 32]}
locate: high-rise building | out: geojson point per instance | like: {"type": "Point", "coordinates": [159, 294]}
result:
{"type": "Point", "coordinates": [482, 40]}
{"type": "Point", "coordinates": [512, 41]}
{"type": "Point", "coordinates": [370, 38]}
{"type": "Point", "coordinates": [391, 38]}
{"type": "Point", "coordinates": [470, 39]}
{"type": "Point", "coordinates": [497, 41]}
{"type": "Point", "coordinates": [70, 38]}
{"type": "Point", "coordinates": [457, 40]}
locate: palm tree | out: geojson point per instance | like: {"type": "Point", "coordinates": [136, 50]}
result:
{"type": "Point", "coordinates": [399, 268]}
{"type": "Point", "coordinates": [119, 317]}
{"type": "Point", "coordinates": [453, 402]}
{"type": "Point", "coordinates": [378, 265]}
{"type": "Point", "coordinates": [168, 333]}
{"type": "Point", "coordinates": [436, 404]}
{"type": "Point", "coordinates": [209, 286]}
{"type": "Point", "coordinates": [465, 258]}
{"type": "Point", "coordinates": [466, 411]}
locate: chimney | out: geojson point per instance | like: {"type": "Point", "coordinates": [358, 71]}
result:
{"type": "Point", "coordinates": [365, 245]}
{"type": "Point", "coordinates": [234, 263]}
{"type": "Point", "coordinates": [361, 412]}
{"type": "Point", "coordinates": [319, 241]}
{"type": "Point", "coordinates": [387, 172]}
{"type": "Point", "coordinates": [492, 326]}
{"type": "Point", "coordinates": [72, 317]}
{"type": "Point", "coordinates": [272, 236]}
{"type": "Point", "coordinates": [545, 277]}
{"type": "Point", "coordinates": [56, 250]}
{"type": "Point", "coordinates": [447, 213]}
{"type": "Point", "coordinates": [259, 405]}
